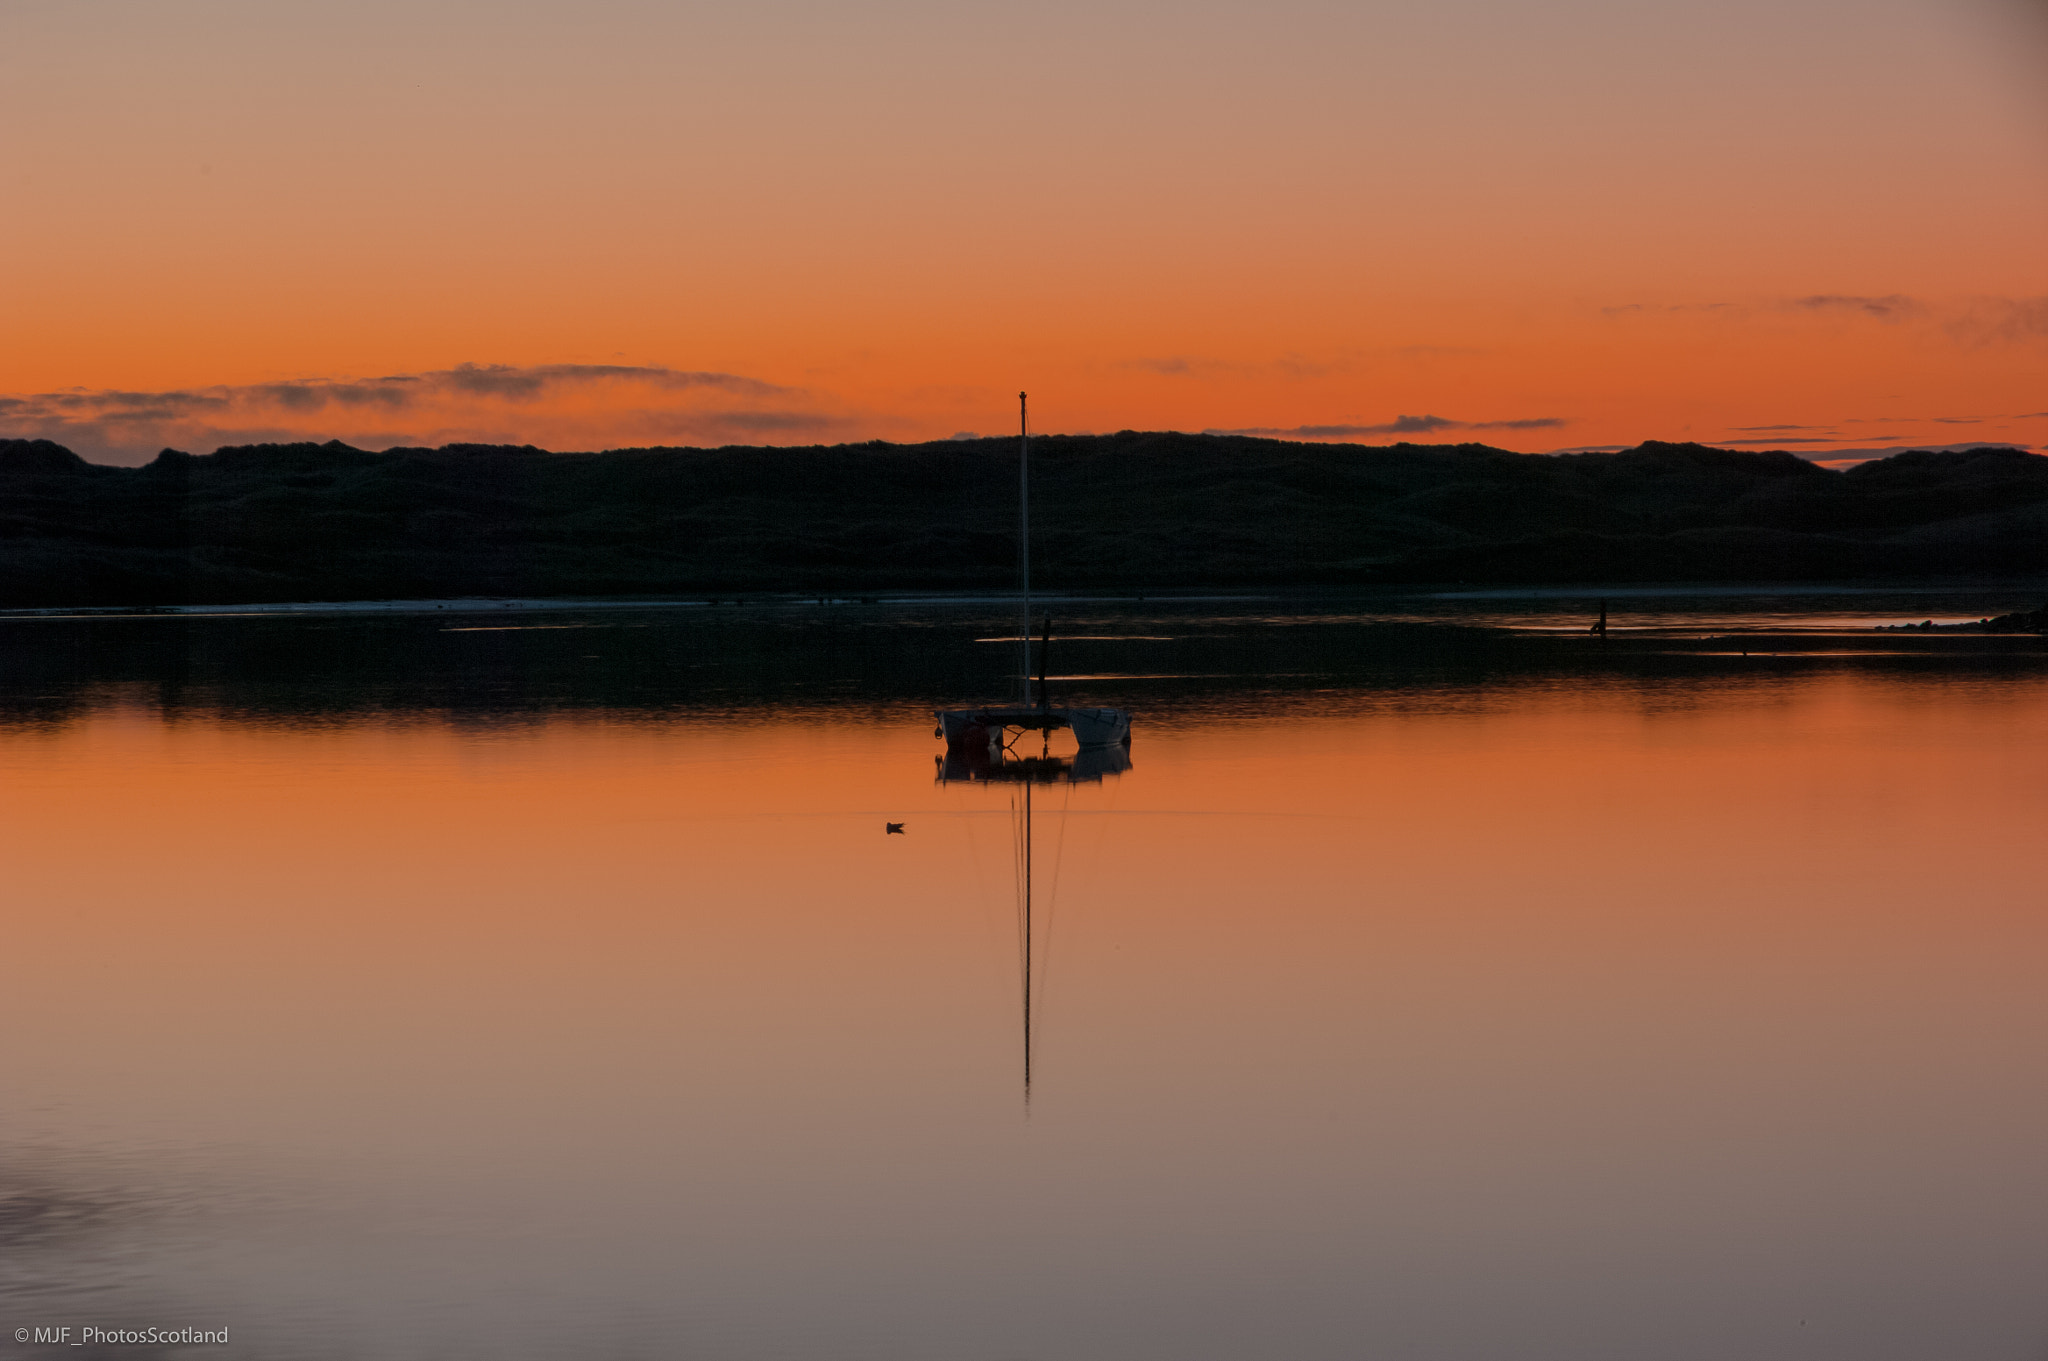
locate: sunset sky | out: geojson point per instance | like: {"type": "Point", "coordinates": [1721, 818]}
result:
{"type": "Point", "coordinates": [1806, 224]}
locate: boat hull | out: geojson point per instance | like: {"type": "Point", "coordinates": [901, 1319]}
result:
{"type": "Point", "coordinates": [1100, 727]}
{"type": "Point", "coordinates": [969, 728]}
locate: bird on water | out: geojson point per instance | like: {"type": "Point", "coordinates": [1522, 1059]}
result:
{"type": "Point", "coordinates": [892, 829]}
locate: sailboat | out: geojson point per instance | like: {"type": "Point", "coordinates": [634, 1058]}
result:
{"type": "Point", "coordinates": [984, 732]}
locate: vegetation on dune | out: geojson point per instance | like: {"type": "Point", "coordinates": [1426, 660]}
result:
{"type": "Point", "coordinates": [1129, 511]}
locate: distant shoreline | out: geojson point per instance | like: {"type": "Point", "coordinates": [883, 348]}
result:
{"type": "Point", "coordinates": [1113, 516]}
{"type": "Point", "coordinates": [1588, 595]}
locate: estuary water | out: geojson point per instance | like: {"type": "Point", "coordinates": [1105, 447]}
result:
{"type": "Point", "coordinates": [509, 983]}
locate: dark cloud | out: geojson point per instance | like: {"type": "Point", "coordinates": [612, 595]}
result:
{"type": "Point", "coordinates": [496, 381]}
{"type": "Point", "coordinates": [144, 415]}
{"type": "Point", "coordinates": [468, 403]}
{"type": "Point", "coordinates": [674, 379]}
{"type": "Point", "coordinates": [1827, 457]}
{"type": "Point", "coordinates": [1754, 428]}
{"type": "Point", "coordinates": [1412, 425]}
{"type": "Point", "coordinates": [505, 381]}
{"type": "Point", "coordinates": [384, 392]}
{"type": "Point", "coordinates": [1866, 454]}
{"type": "Point", "coordinates": [293, 396]}
{"type": "Point", "coordinates": [1890, 307]}
{"type": "Point", "coordinates": [111, 400]}
{"type": "Point", "coordinates": [400, 390]}
{"type": "Point", "coordinates": [1400, 425]}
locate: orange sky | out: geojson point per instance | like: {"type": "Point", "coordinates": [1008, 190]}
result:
{"type": "Point", "coordinates": [1578, 224]}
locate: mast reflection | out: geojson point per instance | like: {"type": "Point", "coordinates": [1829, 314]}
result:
{"type": "Point", "coordinates": [997, 764]}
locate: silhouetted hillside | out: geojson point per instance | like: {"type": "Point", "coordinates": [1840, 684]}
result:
{"type": "Point", "coordinates": [1125, 511]}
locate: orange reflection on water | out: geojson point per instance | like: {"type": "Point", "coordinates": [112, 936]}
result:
{"type": "Point", "coordinates": [1653, 1014]}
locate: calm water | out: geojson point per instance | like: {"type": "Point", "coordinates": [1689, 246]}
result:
{"type": "Point", "coordinates": [510, 984]}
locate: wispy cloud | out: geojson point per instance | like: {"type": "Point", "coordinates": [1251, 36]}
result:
{"type": "Point", "coordinates": [1895, 429]}
{"type": "Point", "coordinates": [563, 406]}
{"type": "Point", "coordinates": [1667, 309]}
{"type": "Point", "coordinates": [1534, 423]}
{"type": "Point", "coordinates": [1927, 420]}
{"type": "Point", "coordinates": [1970, 321]}
{"type": "Point", "coordinates": [1400, 425]}
{"type": "Point", "coordinates": [1866, 454]}
{"type": "Point", "coordinates": [1975, 321]}
{"type": "Point", "coordinates": [1890, 307]}
{"type": "Point", "coordinates": [1173, 366]}
{"type": "Point", "coordinates": [2001, 321]}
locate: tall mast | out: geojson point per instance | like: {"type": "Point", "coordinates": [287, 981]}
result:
{"type": "Point", "coordinates": [1024, 536]}
{"type": "Point", "coordinates": [1024, 675]}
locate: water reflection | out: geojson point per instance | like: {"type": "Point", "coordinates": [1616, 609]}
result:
{"type": "Point", "coordinates": [976, 764]}
{"type": "Point", "coordinates": [998, 762]}
{"type": "Point", "coordinates": [1463, 1003]}
{"type": "Point", "coordinates": [1192, 658]}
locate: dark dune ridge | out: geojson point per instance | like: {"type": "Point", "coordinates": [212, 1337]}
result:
{"type": "Point", "coordinates": [1129, 511]}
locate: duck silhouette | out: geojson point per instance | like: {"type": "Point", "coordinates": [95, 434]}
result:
{"type": "Point", "coordinates": [892, 829]}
